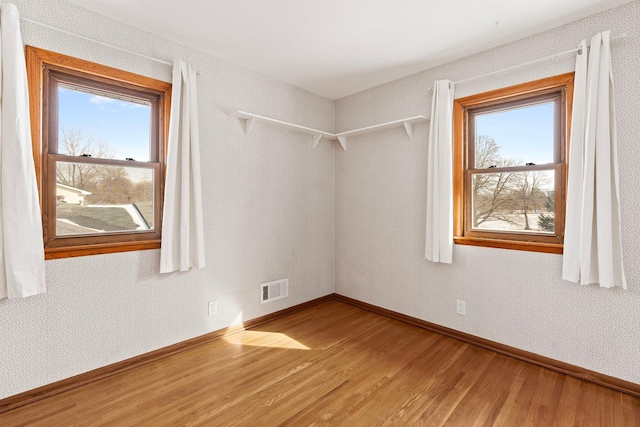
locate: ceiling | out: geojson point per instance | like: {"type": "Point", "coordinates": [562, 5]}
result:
{"type": "Point", "coordinates": [335, 48]}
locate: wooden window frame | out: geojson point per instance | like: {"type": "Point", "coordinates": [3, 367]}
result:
{"type": "Point", "coordinates": [45, 71]}
{"type": "Point", "coordinates": [561, 87]}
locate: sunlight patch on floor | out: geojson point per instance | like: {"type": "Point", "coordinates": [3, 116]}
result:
{"type": "Point", "coordinates": [265, 339]}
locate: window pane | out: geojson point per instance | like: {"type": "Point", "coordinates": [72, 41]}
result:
{"type": "Point", "coordinates": [515, 137]}
{"type": "Point", "coordinates": [103, 126]}
{"type": "Point", "coordinates": [514, 201]}
{"type": "Point", "coordinates": [97, 198]}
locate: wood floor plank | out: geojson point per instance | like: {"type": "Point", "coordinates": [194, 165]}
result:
{"type": "Point", "coordinates": [390, 354]}
{"type": "Point", "coordinates": [334, 364]}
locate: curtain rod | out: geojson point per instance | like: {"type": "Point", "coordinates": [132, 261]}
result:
{"type": "Point", "coordinates": [566, 52]}
{"type": "Point", "coordinates": [99, 42]}
{"type": "Point", "coordinates": [535, 61]}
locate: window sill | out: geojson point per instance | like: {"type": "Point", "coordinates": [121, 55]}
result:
{"type": "Point", "coordinates": [551, 248]}
{"type": "Point", "coordinates": [108, 248]}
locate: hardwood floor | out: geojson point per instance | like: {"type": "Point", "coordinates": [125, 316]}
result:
{"type": "Point", "coordinates": [334, 364]}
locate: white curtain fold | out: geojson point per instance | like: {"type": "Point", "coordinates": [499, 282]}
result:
{"type": "Point", "coordinates": [439, 231]}
{"type": "Point", "coordinates": [22, 269]}
{"type": "Point", "coordinates": [182, 223]}
{"type": "Point", "coordinates": [593, 243]}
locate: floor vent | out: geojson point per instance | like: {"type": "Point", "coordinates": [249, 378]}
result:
{"type": "Point", "coordinates": [274, 290]}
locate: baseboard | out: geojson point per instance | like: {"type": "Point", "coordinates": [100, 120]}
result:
{"type": "Point", "coordinates": [536, 359]}
{"type": "Point", "coordinates": [22, 399]}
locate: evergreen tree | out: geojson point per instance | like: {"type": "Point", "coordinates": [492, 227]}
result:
{"type": "Point", "coordinates": [547, 222]}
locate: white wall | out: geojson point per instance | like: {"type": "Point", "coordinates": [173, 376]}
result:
{"type": "Point", "coordinates": [516, 298]}
{"type": "Point", "coordinates": [268, 207]}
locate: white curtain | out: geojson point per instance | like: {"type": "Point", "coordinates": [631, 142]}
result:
{"type": "Point", "coordinates": [592, 244]}
{"type": "Point", "coordinates": [21, 246]}
{"type": "Point", "coordinates": [439, 235]}
{"type": "Point", "coordinates": [182, 224]}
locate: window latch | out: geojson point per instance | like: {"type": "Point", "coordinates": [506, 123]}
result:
{"type": "Point", "coordinates": [492, 166]}
{"type": "Point", "coordinates": [131, 159]}
{"type": "Point", "coordinates": [530, 164]}
{"type": "Point", "coordinates": [85, 155]}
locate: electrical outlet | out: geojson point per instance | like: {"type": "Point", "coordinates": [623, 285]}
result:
{"type": "Point", "coordinates": [461, 307]}
{"type": "Point", "coordinates": [213, 308]}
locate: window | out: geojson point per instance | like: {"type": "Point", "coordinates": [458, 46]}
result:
{"type": "Point", "coordinates": [510, 165]}
{"type": "Point", "coordinates": [99, 146]}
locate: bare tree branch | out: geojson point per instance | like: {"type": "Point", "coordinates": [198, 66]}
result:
{"type": "Point", "coordinates": [82, 176]}
{"type": "Point", "coordinates": [497, 195]}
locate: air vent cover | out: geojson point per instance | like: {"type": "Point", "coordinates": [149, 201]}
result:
{"type": "Point", "coordinates": [274, 290]}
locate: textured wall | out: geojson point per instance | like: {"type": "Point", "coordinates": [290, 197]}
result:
{"type": "Point", "coordinates": [516, 298]}
{"type": "Point", "coordinates": [268, 207]}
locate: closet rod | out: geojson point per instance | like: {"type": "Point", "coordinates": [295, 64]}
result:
{"type": "Point", "coordinates": [535, 61]}
{"type": "Point", "coordinates": [109, 45]}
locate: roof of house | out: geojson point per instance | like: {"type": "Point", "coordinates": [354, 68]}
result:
{"type": "Point", "coordinates": [98, 218]}
{"type": "Point", "coordinates": [74, 189]}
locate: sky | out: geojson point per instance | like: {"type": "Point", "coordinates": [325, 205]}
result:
{"type": "Point", "coordinates": [524, 133]}
{"type": "Point", "coordinates": [124, 125]}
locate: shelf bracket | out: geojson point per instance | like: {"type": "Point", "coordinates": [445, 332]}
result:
{"type": "Point", "coordinates": [316, 138]}
{"type": "Point", "coordinates": [343, 142]}
{"type": "Point", "coordinates": [409, 128]}
{"type": "Point", "coordinates": [248, 125]}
